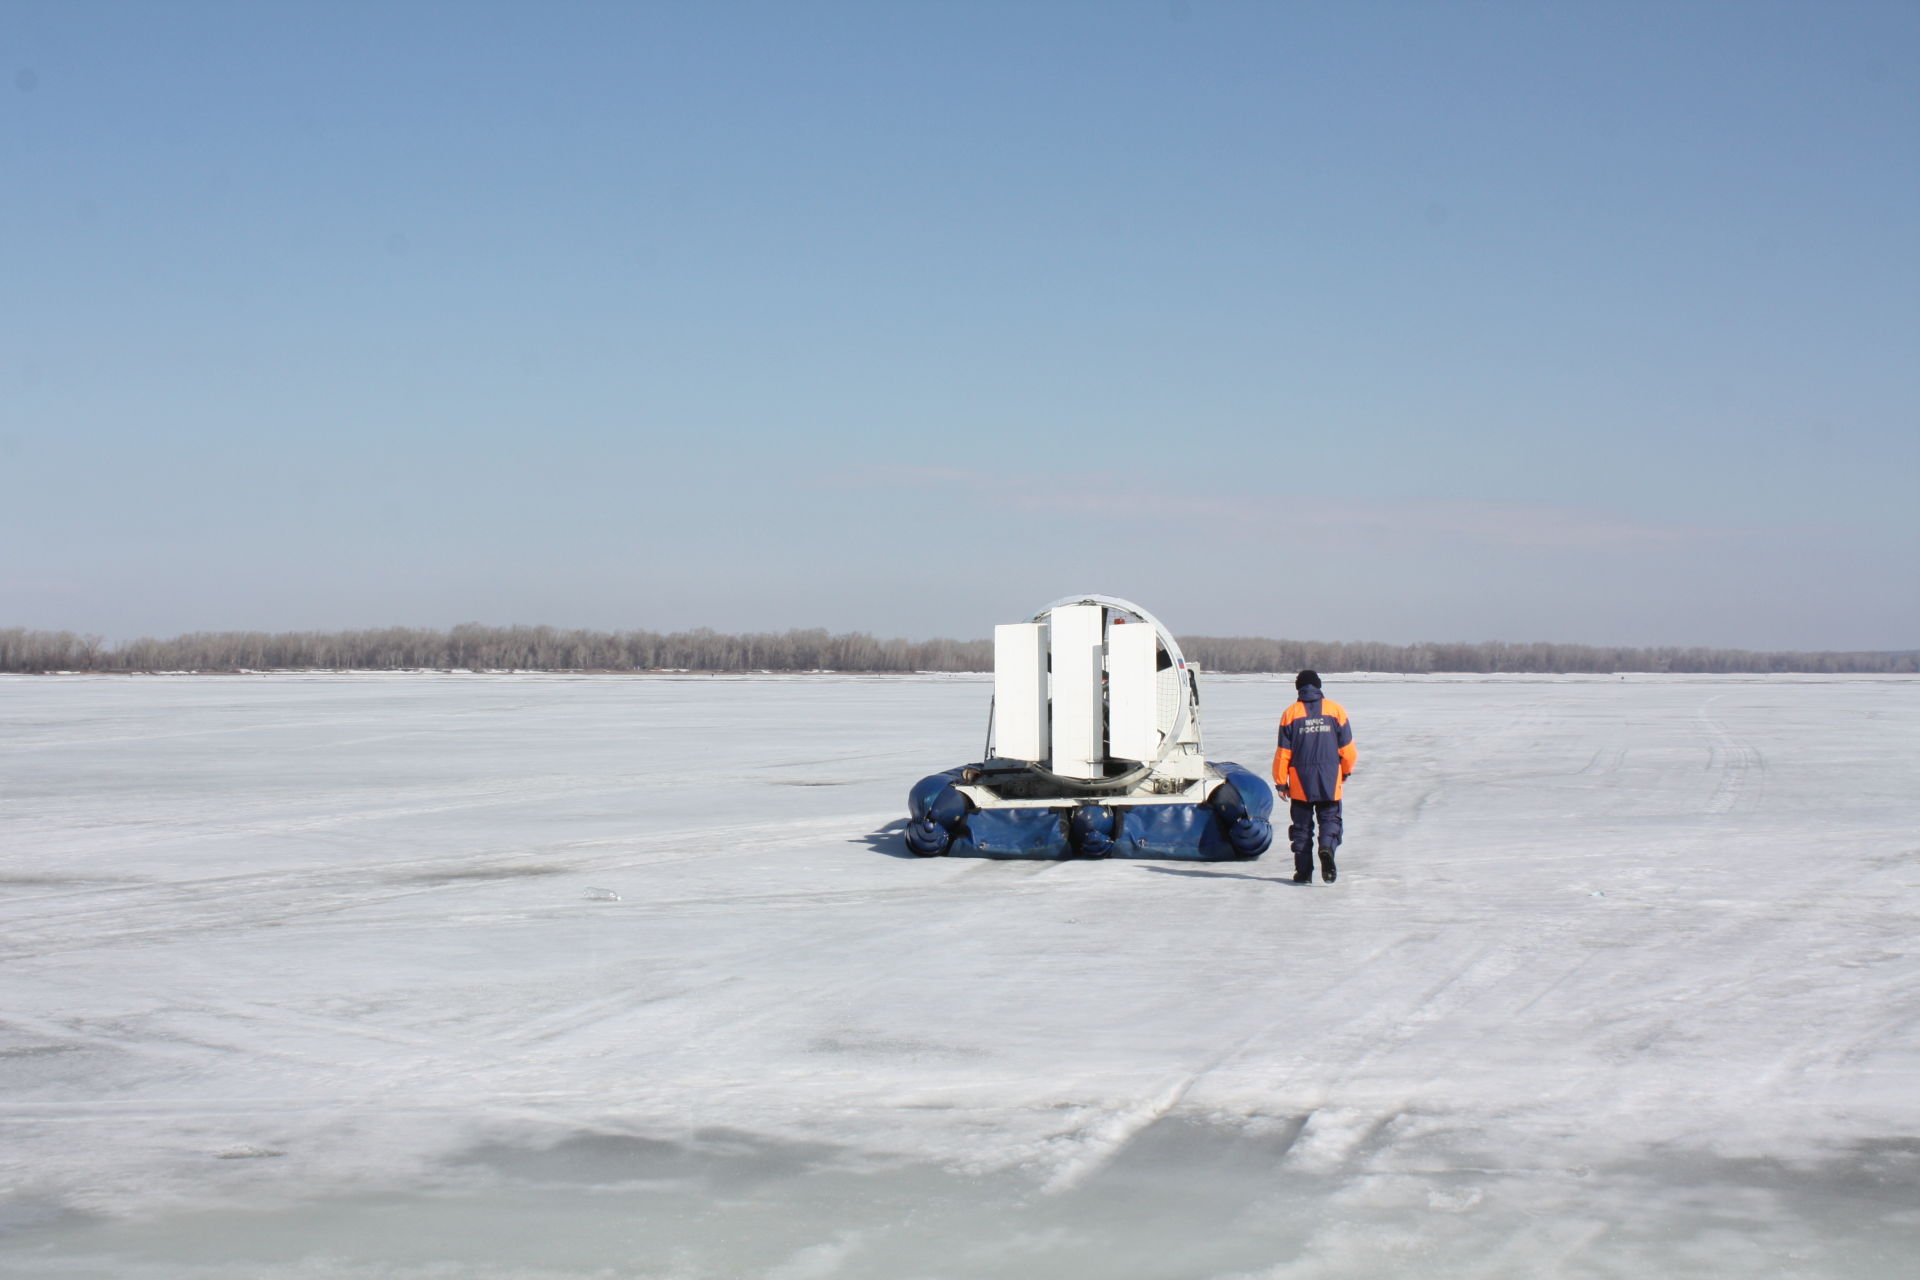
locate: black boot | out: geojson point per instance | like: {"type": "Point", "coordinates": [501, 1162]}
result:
{"type": "Point", "coordinates": [1303, 877]}
{"type": "Point", "coordinates": [1327, 871]}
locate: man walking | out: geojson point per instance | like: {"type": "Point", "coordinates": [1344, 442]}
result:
{"type": "Point", "coordinates": [1315, 757]}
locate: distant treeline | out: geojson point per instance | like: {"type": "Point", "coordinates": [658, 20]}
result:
{"type": "Point", "coordinates": [1245, 654]}
{"type": "Point", "coordinates": [473, 646]}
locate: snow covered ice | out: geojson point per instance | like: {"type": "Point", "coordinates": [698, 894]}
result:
{"type": "Point", "coordinates": [545, 976]}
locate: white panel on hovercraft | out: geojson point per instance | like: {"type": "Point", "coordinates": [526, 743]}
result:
{"type": "Point", "coordinates": [1133, 731]}
{"type": "Point", "coordinates": [1020, 691]}
{"type": "Point", "coordinates": [1075, 643]}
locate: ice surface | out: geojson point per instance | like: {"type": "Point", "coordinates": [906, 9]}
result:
{"type": "Point", "coordinates": [546, 976]}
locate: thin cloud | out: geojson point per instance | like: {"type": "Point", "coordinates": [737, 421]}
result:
{"type": "Point", "coordinates": [1106, 494]}
{"type": "Point", "coordinates": [41, 586]}
{"type": "Point", "coordinates": [1513, 524]}
{"type": "Point", "coordinates": [888, 475]}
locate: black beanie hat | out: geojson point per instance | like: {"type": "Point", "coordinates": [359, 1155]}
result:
{"type": "Point", "coordinates": [1305, 678]}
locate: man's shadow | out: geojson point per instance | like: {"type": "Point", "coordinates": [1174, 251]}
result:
{"type": "Point", "coordinates": [1218, 875]}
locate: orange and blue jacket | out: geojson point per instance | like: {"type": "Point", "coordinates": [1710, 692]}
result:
{"type": "Point", "coordinates": [1316, 751]}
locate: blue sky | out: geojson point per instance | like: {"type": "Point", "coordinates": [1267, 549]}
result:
{"type": "Point", "coordinates": [1584, 322]}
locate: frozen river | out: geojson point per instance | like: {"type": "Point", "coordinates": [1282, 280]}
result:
{"type": "Point", "coordinates": [540, 977]}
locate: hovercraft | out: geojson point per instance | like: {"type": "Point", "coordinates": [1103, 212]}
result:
{"type": "Point", "coordinates": [1093, 751]}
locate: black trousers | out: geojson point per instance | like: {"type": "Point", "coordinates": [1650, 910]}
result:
{"type": "Point", "coordinates": [1300, 830]}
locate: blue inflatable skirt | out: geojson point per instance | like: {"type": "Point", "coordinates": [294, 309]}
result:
{"type": "Point", "coordinates": [1232, 824]}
